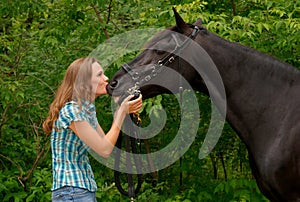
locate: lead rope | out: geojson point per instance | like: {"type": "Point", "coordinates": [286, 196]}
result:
{"type": "Point", "coordinates": [180, 91]}
{"type": "Point", "coordinates": [181, 111]}
{"type": "Point", "coordinates": [130, 144]}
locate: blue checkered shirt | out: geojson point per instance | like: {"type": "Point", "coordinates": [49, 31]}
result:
{"type": "Point", "coordinates": [70, 162]}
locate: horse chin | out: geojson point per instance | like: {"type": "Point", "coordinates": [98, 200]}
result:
{"type": "Point", "coordinates": [109, 90]}
{"type": "Point", "coordinates": [152, 91]}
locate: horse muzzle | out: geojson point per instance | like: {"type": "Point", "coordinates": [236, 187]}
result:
{"type": "Point", "coordinates": [114, 90]}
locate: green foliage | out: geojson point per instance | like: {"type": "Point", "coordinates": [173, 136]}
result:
{"type": "Point", "coordinates": [40, 39]}
{"type": "Point", "coordinates": [272, 27]}
{"type": "Point", "coordinates": [241, 190]}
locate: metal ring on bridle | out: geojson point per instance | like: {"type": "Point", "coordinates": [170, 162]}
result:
{"type": "Point", "coordinates": [135, 76]}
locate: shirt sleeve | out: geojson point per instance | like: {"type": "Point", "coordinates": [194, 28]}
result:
{"type": "Point", "coordinates": [70, 112]}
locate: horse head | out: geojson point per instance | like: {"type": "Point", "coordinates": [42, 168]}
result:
{"type": "Point", "coordinates": [159, 68]}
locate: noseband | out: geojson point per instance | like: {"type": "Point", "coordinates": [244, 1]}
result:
{"type": "Point", "coordinates": [156, 68]}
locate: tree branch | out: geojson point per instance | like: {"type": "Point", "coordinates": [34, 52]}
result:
{"type": "Point", "coordinates": [109, 10]}
{"type": "Point", "coordinates": [233, 7]}
{"type": "Point", "coordinates": [12, 162]}
{"type": "Point", "coordinates": [41, 155]}
{"type": "Point", "coordinates": [97, 12]}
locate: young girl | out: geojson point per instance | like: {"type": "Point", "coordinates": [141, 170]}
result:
{"type": "Point", "coordinates": [74, 130]}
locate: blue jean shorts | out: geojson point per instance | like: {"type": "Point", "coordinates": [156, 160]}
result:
{"type": "Point", "coordinates": [73, 194]}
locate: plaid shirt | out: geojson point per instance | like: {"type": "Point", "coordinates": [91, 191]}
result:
{"type": "Point", "coordinates": [70, 162]}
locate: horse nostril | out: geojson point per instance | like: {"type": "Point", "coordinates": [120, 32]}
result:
{"type": "Point", "coordinates": [113, 84]}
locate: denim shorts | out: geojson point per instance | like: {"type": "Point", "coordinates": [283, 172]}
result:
{"type": "Point", "coordinates": [73, 194]}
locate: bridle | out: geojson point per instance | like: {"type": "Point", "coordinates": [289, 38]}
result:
{"type": "Point", "coordinates": [135, 76]}
{"type": "Point", "coordinates": [157, 67]}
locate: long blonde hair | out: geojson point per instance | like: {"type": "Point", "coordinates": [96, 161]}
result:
{"type": "Point", "coordinates": [76, 86]}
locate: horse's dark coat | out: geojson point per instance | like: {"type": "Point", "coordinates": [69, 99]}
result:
{"type": "Point", "coordinates": [263, 105]}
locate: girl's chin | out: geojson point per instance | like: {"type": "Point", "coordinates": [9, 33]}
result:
{"type": "Point", "coordinates": [98, 93]}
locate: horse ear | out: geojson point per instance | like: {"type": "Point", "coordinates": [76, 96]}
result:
{"type": "Point", "coordinates": [198, 22]}
{"type": "Point", "coordinates": [181, 25]}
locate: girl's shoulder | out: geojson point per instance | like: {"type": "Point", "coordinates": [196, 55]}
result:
{"type": "Point", "coordinates": [74, 108]}
{"type": "Point", "coordinates": [70, 107]}
{"type": "Point", "coordinates": [71, 104]}
{"type": "Point", "coordinates": [70, 111]}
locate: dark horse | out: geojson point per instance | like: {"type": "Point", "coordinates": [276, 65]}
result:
{"type": "Point", "coordinates": [262, 94]}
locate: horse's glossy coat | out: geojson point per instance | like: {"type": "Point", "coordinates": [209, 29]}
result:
{"type": "Point", "coordinates": [263, 104]}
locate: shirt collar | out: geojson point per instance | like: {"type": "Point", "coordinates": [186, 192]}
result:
{"type": "Point", "coordinates": [88, 106]}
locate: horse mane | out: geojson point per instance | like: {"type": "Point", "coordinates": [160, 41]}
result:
{"type": "Point", "coordinates": [277, 67]}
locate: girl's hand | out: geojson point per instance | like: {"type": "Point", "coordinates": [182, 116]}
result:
{"type": "Point", "coordinates": [132, 106]}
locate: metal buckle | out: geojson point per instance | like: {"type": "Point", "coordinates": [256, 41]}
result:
{"type": "Point", "coordinates": [171, 59]}
{"type": "Point", "coordinates": [148, 78]}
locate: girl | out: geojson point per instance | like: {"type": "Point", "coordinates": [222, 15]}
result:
{"type": "Point", "coordinates": [74, 130]}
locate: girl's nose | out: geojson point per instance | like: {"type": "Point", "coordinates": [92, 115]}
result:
{"type": "Point", "coordinates": [105, 78]}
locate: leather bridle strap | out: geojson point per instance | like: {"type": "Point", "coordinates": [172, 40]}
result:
{"type": "Point", "coordinates": [171, 57]}
{"type": "Point", "coordinates": [163, 62]}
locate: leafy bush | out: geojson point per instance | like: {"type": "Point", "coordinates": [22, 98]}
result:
{"type": "Point", "coordinates": [39, 40]}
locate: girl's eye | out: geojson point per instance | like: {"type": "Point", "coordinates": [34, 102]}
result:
{"type": "Point", "coordinates": [100, 73]}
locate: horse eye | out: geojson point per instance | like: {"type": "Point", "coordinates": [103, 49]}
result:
{"type": "Point", "coordinates": [159, 52]}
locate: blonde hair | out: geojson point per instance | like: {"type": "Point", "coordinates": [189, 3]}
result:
{"type": "Point", "coordinates": [76, 86]}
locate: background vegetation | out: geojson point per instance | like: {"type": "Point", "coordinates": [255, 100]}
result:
{"type": "Point", "coordinates": [39, 39]}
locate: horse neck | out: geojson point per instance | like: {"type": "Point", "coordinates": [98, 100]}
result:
{"type": "Point", "coordinates": [252, 82]}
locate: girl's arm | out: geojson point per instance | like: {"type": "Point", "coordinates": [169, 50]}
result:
{"type": "Point", "coordinates": [104, 144]}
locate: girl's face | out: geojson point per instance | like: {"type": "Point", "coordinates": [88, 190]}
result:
{"type": "Point", "coordinates": [99, 80]}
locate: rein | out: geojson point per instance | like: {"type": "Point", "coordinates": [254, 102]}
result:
{"type": "Point", "coordinates": [130, 142]}
{"type": "Point", "coordinates": [130, 145]}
